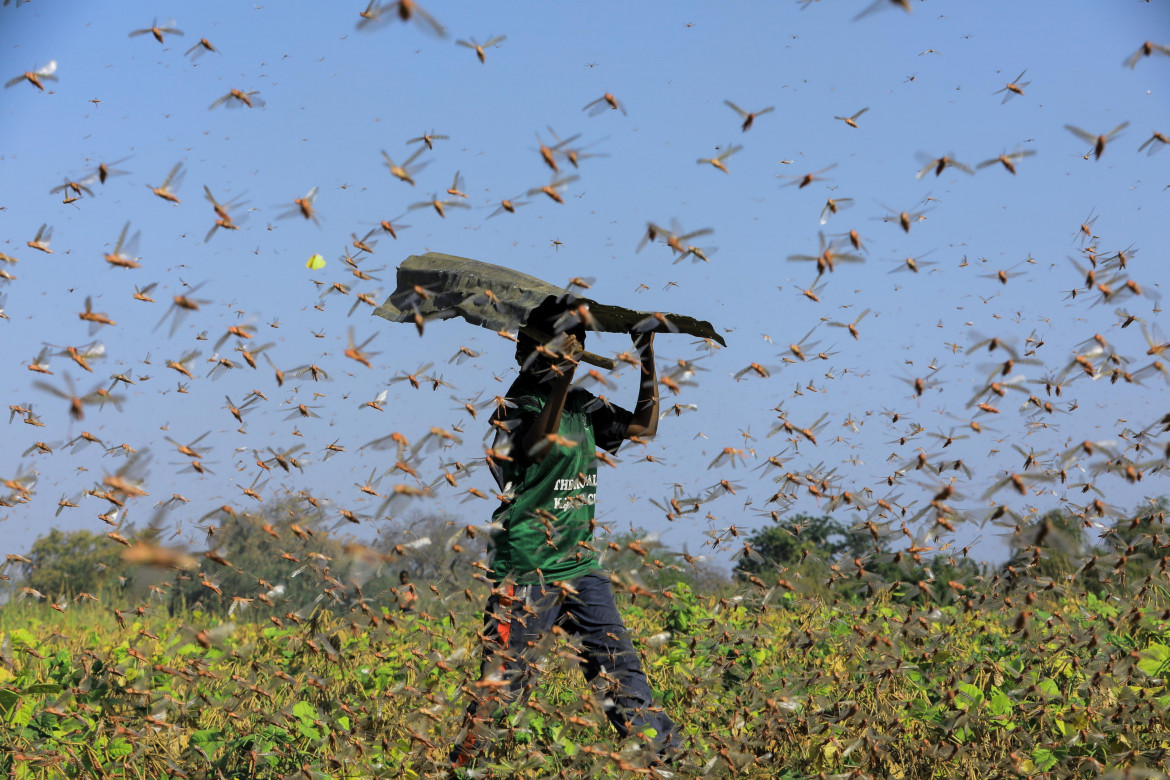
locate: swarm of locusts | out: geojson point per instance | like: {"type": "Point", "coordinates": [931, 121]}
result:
{"type": "Point", "coordinates": [263, 527]}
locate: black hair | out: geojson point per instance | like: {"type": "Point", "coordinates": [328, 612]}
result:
{"type": "Point", "coordinates": [554, 316]}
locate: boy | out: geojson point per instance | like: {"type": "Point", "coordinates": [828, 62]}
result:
{"type": "Point", "coordinates": [544, 577]}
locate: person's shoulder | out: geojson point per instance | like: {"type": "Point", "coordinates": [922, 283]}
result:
{"type": "Point", "coordinates": [580, 399]}
{"type": "Point", "coordinates": [601, 405]}
{"type": "Point", "coordinates": [580, 393]}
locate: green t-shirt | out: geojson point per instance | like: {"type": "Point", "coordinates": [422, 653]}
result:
{"type": "Point", "coordinates": [550, 506]}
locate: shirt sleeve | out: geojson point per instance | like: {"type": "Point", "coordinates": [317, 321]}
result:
{"type": "Point", "coordinates": [609, 422]}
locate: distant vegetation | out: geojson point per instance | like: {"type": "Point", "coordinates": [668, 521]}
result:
{"type": "Point", "coordinates": [285, 553]}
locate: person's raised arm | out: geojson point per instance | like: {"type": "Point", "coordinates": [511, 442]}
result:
{"type": "Point", "coordinates": [644, 421]}
{"type": "Point", "coordinates": [538, 439]}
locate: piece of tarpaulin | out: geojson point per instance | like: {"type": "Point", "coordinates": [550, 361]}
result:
{"type": "Point", "coordinates": [436, 286]}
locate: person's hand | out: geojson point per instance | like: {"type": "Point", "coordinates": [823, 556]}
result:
{"type": "Point", "coordinates": [570, 346]}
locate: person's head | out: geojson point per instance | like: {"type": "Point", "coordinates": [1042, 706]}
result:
{"type": "Point", "coordinates": [553, 317]}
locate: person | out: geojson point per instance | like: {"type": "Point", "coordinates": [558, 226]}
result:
{"type": "Point", "coordinates": [545, 573]}
{"type": "Point", "coordinates": [405, 592]}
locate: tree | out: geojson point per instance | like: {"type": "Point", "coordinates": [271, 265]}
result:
{"type": "Point", "coordinates": [65, 563]}
{"type": "Point", "coordinates": [280, 560]}
{"type": "Point", "coordinates": [1051, 546]}
{"type": "Point", "coordinates": [1128, 552]}
{"type": "Point", "coordinates": [434, 549]}
{"type": "Point", "coordinates": [849, 562]}
{"type": "Point", "coordinates": [285, 559]}
{"type": "Point", "coordinates": [791, 544]}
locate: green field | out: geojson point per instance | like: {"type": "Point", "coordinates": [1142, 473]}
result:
{"type": "Point", "coordinates": [1048, 684]}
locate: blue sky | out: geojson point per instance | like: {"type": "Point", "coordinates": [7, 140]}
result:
{"type": "Point", "coordinates": [336, 97]}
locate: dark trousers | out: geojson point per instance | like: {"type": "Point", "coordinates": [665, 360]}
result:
{"type": "Point", "coordinates": [517, 620]}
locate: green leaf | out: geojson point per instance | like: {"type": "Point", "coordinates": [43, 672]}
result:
{"type": "Point", "coordinates": [24, 712]}
{"type": "Point", "coordinates": [303, 711]}
{"type": "Point", "coordinates": [118, 748]}
{"type": "Point", "coordinates": [1154, 659]}
{"type": "Point", "coordinates": [20, 636]}
{"type": "Point", "coordinates": [1043, 759]}
{"type": "Point", "coordinates": [42, 688]}
{"type": "Point", "coordinates": [968, 695]}
{"type": "Point", "coordinates": [1000, 704]}
{"type": "Point", "coordinates": [1049, 687]}
{"type": "Point", "coordinates": [205, 737]}
{"type": "Point", "coordinates": [8, 700]}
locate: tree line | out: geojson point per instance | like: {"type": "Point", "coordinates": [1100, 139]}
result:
{"type": "Point", "coordinates": [286, 558]}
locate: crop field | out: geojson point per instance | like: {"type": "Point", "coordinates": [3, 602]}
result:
{"type": "Point", "coordinates": [870, 433]}
{"type": "Point", "coordinates": [766, 684]}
